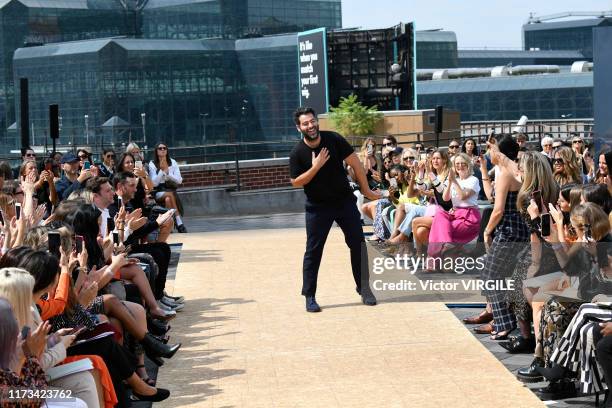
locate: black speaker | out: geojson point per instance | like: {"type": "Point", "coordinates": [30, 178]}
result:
{"type": "Point", "coordinates": [24, 117]}
{"type": "Point", "coordinates": [54, 121]}
{"type": "Point", "coordinates": [439, 123]}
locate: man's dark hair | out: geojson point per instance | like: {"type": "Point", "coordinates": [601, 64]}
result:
{"type": "Point", "coordinates": [122, 178]}
{"type": "Point", "coordinates": [95, 183]}
{"type": "Point", "coordinates": [302, 110]}
{"type": "Point", "coordinates": [393, 139]}
{"type": "Point", "coordinates": [24, 150]}
{"type": "Point", "coordinates": [107, 150]}
{"type": "Point", "coordinates": [509, 147]}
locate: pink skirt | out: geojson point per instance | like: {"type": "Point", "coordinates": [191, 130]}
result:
{"type": "Point", "coordinates": [459, 226]}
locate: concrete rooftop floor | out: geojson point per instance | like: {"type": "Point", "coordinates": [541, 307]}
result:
{"type": "Point", "coordinates": [247, 341]}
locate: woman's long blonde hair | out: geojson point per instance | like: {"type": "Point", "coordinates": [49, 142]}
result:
{"type": "Point", "coordinates": [537, 175]}
{"type": "Point", "coordinates": [442, 174]}
{"type": "Point", "coordinates": [16, 286]}
{"type": "Point", "coordinates": [571, 171]}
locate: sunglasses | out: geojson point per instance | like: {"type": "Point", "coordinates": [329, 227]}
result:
{"type": "Point", "coordinates": [408, 158]}
{"type": "Point", "coordinates": [453, 146]}
{"type": "Point", "coordinates": [388, 144]}
{"type": "Point", "coordinates": [110, 156]}
{"type": "Point", "coordinates": [162, 148]}
{"type": "Point", "coordinates": [30, 155]}
{"type": "Point", "coordinates": [83, 157]}
{"type": "Point", "coordinates": [577, 141]}
{"type": "Point", "coordinates": [557, 161]}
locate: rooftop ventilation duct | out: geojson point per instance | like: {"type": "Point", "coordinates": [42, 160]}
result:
{"type": "Point", "coordinates": [581, 66]}
{"type": "Point", "coordinates": [534, 69]}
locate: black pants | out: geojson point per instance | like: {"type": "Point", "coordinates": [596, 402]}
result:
{"type": "Point", "coordinates": [119, 361]}
{"type": "Point", "coordinates": [161, 253]}
{"type": "Point", "coordinates": [603, 352]}
{"type": "Point", "coordinates": [319, 220]}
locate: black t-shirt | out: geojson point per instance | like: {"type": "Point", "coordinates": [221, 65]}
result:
{"type": "Point", "coordinates": [330, 185]}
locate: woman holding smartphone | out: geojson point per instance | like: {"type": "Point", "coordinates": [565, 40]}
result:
{"type": "Point", "coordinates": [166, 176]}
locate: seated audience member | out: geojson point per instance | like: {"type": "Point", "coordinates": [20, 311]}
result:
{"type": "Point", "coordinates": [27, 154]}
{"type": "Point", "coordinates": [460, 224]}
{"type": "Point", "coordinates": [144, 187]}
{"type": "Point", "coordinates": [166, 177]}
{"type": "Point", "coordinates": [602, 169]}
{"type": "Point", "coordinates": [71, 180]}
{"type": "Point", "coordinates": [125, 185]}
{"type": "Point", "coordinates": [372, 165]}
{"type": "Point", "coordinates": [44, 193]}
{"type": "Point", "coordinates": [566, 167]}
{"type": "Point", "coordinates": [453, 148]}
{"type": "Point", "coordinates": [436, 168]}
{"type": "Point", "coordinates": [521, 140]}
{"type": "Point", "coordinates": [84, 157]}
{"type": "Point", "coordinates": [6, 173]}
{"type": "Point", "coordinates": [598, 194]}
{"type": "Point", "coordinates": [16, 286]}
{"type": "Point", "coordinates": [107, 167]}
{"type": "Point", "coordinates": [389, 144]}
{"type": "Point", "coordinates": [547, 147]}
{"type": "Point", "coordinates": [557, 143]}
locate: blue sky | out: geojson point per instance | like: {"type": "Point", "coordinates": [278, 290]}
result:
{"type": "Point", "coordinates": [477, 23]}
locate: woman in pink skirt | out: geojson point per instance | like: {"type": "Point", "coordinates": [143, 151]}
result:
{"type": "Point", "coordinates": [461, 223]}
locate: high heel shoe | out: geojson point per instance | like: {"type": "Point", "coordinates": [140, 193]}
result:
{"type": "Point", "coordinates": [157, 327]}
{"type": "Point", "coordinates": [160, 395]}
{"type": "Point", "coordinates": [156, 348]}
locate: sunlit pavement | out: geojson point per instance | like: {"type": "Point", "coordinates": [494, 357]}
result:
{"type": "Point", "coordinates": [247, 341]}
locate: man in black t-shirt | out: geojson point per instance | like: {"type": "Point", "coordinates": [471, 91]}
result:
{"type": "Point", "coordinates": [316, 164]}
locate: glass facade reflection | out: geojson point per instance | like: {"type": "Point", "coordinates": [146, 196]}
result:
{"type": "Point", "coordinates": [566, 35]}
{"type": "Point", "coordinates": [190, 66]}
{"type": "Point", "coordinates": [191, 91]}
{"type": "Point", "coordinates": [488, 99]}
{"type": "Point", "coordinates": [45, 21]}
{"type": "Point", "coordinates": [436, 49]}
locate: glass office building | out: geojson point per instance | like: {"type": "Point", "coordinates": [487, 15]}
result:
{"type": "Point", "coordinates": [190, 91]}
{"type": "Point", "coordinates": [563, 35]}
{"type": "Point", "coordinates": [196, 69]}
{"type": "Point", "coordinates": [31, 22]}
{"type": "Point", "coordinates": [507, 98]}
{"type": "Point", "coordinates": [436, 49]}
{"type": "Point", "coordinates": [494, 58]}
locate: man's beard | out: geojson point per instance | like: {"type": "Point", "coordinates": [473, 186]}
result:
{"type": "Point", "coordinates": [307, 136]}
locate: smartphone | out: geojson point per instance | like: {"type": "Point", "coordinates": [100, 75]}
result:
{"type": "Point", "coordinates": [422, 156]}
{"type": "Point", "coordinates": [25, 330]}
{"type": "Point", "coordinates": [54, 243]}
{"type": "Point", "coordinates": [116, 238]}
{"type": "Point", "coordinates": [17, 210]}
{"type": "Point", "coordinates": [120, 201]}
{"type": "Point", "coordinates": [545, 220]}
{"type": "Point", "coordinates": [370, 149]}
{"type": "Point", "coordinates": [138, 163]}
{"type": "Point", "coordinates": [393, 182]}
{"type": "Point", "coordinates": [77, 331]}
{"type": "Point", "coordinates": [588, 235]}
{"type": "Point", "coordinates": [49, 167]}
{"type": "Point", "coordinates": [78, 240]}
{"type": "Point", "coordinates": [87, 165]}
{"type": "Point", "coordinates": [1, 217]}
{"type": "Point", "coordinates": [537, 197]}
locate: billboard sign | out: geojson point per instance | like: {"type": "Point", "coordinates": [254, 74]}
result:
{"type": "Point", "coordinates": [312, 60]}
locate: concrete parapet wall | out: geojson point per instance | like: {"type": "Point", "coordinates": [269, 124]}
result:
{"type": "Point", "coordinates": [218, 201]}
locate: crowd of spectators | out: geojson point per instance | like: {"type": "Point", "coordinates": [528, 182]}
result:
{"type": "Point", "coordinates": [543, 216]}
{"type": "Point", "coordinates": [83, 269]}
